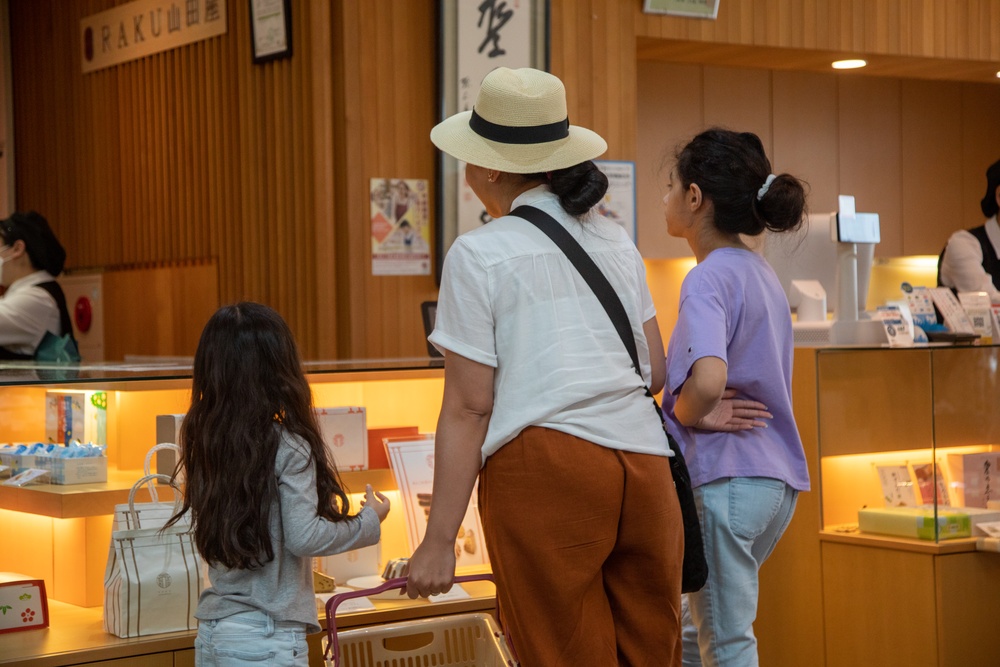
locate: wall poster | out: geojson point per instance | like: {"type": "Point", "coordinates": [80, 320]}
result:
{"type": "Point", "coordinates": [619, 201]}
{"type": "Point", "coordinates": [399, 226]}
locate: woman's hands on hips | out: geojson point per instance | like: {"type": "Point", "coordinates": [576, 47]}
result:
{"type": "Point", "coordinates": [735, 414]}
{"type": "Point", "coordinates": [431, 568]}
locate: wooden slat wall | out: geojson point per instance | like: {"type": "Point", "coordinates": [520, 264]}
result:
{"type": "Point", "coordinates": [385, 72]}
{"type": "Point", "coordinates": [188, 154]}
{"type": "Point", "coordinates": [966, 30]}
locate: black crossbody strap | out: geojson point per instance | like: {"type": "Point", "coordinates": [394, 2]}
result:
{"type": "Point", "coordinates": [591, 274]}
{"type": "Point", "coordinates": [53, 288]}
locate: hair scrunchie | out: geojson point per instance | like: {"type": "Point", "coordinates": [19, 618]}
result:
{"type": "Point", "coordinates": [764, 188]}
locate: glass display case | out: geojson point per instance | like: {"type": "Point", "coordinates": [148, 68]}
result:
{"type": "Point", "coordinates": [63, 531]}
{"type": "Point", "coordinates": [909, 441]}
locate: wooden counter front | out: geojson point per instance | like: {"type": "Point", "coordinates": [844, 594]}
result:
{"type": "Point", "coordinates": [76, 634]}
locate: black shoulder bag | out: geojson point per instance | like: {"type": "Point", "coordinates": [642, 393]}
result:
{"type": "Point", "coordinates": [695, 571]}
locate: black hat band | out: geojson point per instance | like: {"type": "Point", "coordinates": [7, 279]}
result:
{"type": "Point", "coordinates": [528, 134]}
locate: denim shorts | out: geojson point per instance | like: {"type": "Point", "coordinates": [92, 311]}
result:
{"type": "Point", "coordinates": [251, 638]}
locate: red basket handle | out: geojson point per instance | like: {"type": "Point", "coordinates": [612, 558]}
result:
{"type": "Point", "coordinates": [333, 645]}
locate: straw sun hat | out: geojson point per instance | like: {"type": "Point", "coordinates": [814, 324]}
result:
{"type": "Point", "coordinates": [518, 125]}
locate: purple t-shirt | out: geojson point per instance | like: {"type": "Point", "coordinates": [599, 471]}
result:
{"type": "Point", "coordinates": [732, 307]}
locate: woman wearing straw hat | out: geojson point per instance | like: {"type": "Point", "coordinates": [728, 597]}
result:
{"type": "Point", "coordinates": [542, 403]}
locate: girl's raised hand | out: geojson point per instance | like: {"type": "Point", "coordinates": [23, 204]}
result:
{"type": "Point", "coordinates": [376, 501]}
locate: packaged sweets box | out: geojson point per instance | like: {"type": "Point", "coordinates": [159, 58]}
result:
{"type": "Point", "coordinates": [345, 433]}
{"type": "Point", "coordinates": [23, 604]}
{"type": "Point", "coordinates": [76, 415]}
{"type": "Point", "coordinates": [976, 477]}
{"type": "Point", "coordinates": [915, 522]}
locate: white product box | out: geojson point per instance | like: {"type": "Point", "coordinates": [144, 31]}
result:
{"type": "Point", "coordinates": [362, 562]}
{"type": "Point", "coordinates": [88, 470]}
{"type": "Point", "coordinates": [915, 522]}
{"type": "Point", "coordinates": [168, 429]}
{"type": "Point", "coordinates": [23, 602]}
{"type": "Point", "coordinates": [976, 476]}
{"type": "Point", "coordinates": [76, 415]}
{"type": "Point", "coordinates": [346, 436]}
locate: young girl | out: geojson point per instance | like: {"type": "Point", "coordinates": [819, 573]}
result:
{"type": "Point", "coordinates": [733, 338]}
{"type": "Point", "coordinates": [264, 493]}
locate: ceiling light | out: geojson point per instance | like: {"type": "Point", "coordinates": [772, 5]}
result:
{"type": "Point", "coordinates": [849, 64]}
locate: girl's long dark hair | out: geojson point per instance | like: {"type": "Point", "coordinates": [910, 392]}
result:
{"type": "Point", "coordinates": [247, 379]}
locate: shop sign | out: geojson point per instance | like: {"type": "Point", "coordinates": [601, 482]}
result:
{"type": "Point", "coordinates": [144, 27]}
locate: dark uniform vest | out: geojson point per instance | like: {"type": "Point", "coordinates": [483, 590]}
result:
{"type": "Point", "coordinates": [65, 325]}
{"type": "Point", "coordinates": [991, 263]}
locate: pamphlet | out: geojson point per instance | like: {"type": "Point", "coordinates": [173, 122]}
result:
{"type": "Point", "coordinates": [927, 474]}
{"type": "Point", "coordinates": [955, 317]}
{"type": "Point", "coordinates": [897, 486]}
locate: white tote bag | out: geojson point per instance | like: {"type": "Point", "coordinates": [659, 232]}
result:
{"type": "Point", "coordinates": [153, 579]}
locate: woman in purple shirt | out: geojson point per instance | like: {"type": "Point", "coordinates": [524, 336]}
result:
{"type": "Point", "coordinates": [733, 338]}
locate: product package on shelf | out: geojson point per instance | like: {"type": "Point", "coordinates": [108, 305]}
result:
{"type": "Point", "coordinates": [168, 430]}
{"type": "Point", "coordinates": [976, 477]}
{"type": "Point", "coordinates": [76, 415]}
{"type": "Point", "coordinates": [346, 436]}
{"type": "Point", "coordinates": [73, 464]}
{"type": "Point", "coordinates": [23, 603]}
{"type": "Point", "coordinates": [915, 522]}
{"type": "Point", "coordinates": [352, 564]}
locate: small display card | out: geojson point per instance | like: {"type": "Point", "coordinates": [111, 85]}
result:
{"type": "Point", "coordinates": [955, 317]}
{"type": "Point", "coordinates": [26, 477]}
{"type": "Point", "coordinates": [412, 462]}
{"type": "Point", "coordinates": [921, 305]}
{"type": "Point", "coordinates": [928, 476]}
{"type": "Point", "coordinates": [897, 486]}
{"type": "Point", "coordinates": [977, 307]}
{"type": "Point", "coordinates": [897, 330]}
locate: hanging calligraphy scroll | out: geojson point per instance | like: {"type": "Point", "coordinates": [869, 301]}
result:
{"type": "Point", "coordinates": [475, 37]}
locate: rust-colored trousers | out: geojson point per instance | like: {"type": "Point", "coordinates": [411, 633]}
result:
{"type": "Point", "coordinates": [586, 545]}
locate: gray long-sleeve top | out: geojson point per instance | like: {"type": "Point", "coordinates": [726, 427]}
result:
{"type": "Point", "coordinates": [283, 588]}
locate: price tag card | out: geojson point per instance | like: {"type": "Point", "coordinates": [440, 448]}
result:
{"type": "Point", "coordinates": [26, 477]}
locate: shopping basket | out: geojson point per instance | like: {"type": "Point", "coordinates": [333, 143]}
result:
{"type": "Point", "coordinates": [462, 640]}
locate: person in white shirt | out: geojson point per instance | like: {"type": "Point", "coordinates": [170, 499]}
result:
{"type": "Point", "coordinates": [970, 263]}
{"type": "Point", "coordinates": [30, 258]}
{"type": "Point", "coordinates": [541, 401]}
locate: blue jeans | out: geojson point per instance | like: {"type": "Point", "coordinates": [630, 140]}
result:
{"type": "Point", "coordinates": [250, 638]}
{"type": "Point", "coordinates": [742, 519]}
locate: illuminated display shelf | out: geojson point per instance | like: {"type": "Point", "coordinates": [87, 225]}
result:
{"type": "Point", "coordinates": [65, 530]}
{"type": "Point", "coordinates": [869, 413]}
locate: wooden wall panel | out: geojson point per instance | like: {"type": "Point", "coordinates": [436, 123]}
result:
{"type": "Point", "coordinates": [385, 77]}
{"type": "Point", "coordinates": [870, 150]}
{"type": "Point", "coordinates": [152, 309]}
{"type": "Point", "coordinates": [739, 99]}
{"type": "Point", "coordinates": [931, 130]}
{"type": "Point", "coordinates": [593, 52]}
{"type": "Point", "coordinates": [980, 147]}
{"type": "Point", "coordinates": [669, 110]}
{"type": "Point", "coordinates": [805, 133]}
{"type": "Point", "coordinates": [925, 28]}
